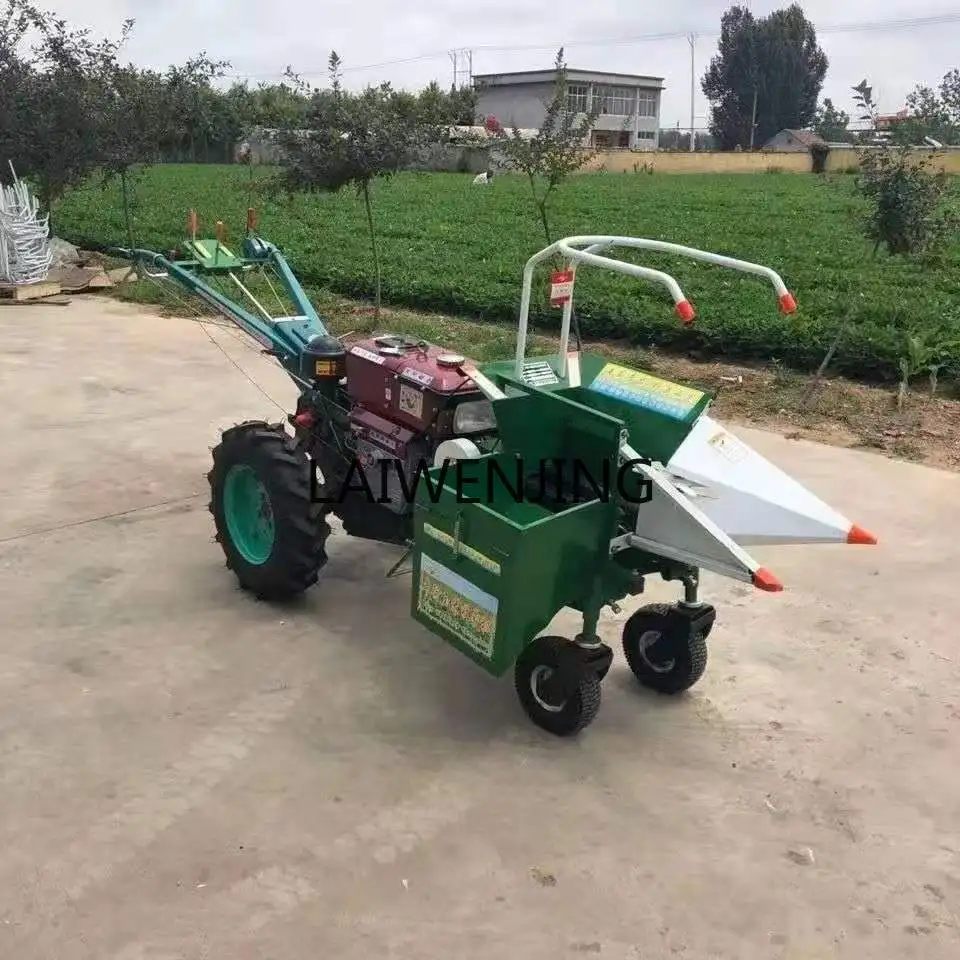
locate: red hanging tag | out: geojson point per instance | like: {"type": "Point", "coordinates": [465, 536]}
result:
{"type": "Point", "coordinates": [561, 287]}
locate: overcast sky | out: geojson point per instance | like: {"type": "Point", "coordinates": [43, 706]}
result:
{"type": "Point", "coordinates": [261, 38]}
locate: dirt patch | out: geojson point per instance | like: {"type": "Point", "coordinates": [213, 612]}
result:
{"type": "Point", "coordinates": [841, 413]}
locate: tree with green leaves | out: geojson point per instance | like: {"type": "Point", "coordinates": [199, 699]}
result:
{"type": "Point", "coordinates": [557, 150]}
{"type": "Point", "coordinates": [54, 96]}
{"type": "Point", "coordinates": [140, 113]}
{"type": "Point", "coordinates": [831, 124]}
{"type": "Point", "coordinates": [933, 113]}
{"type": "Point", "coordinates": [70, 108]}
{"type": "Point", "coordinates": [766, 77]}
{"type": "Point", "coordinates": [909, 213]}
{"type": "Point", "coordinates": [350, 139]}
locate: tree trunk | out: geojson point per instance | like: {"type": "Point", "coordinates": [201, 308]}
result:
{"type": "Point", "coordinates": [541, 206]}
{"type": "Point", "coordinates": [373, 247]}
{"type": "Point", "coordinates": [818, 376]}
{"type": "Point", "coordinates": [127, 218]}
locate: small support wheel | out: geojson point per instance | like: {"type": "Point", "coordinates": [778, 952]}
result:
{"type": "Point", "coordinates": [666, 646]}
{"type": "Point", "coordinates": [557, 687]}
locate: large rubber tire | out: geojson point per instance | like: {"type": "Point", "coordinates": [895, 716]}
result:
{"type": "Point", "coordinates": [661, 656]}
{"type": "Point", "coordinates": [564, 719]}
{"type": "Point", "coordinates": [277, 551]}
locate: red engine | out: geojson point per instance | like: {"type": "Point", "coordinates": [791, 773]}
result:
{"type": "Point", "coordinates": [410, 382]}
{"type": "Point", "coordinates": [404, 397]}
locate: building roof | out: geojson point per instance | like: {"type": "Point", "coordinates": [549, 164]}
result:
{"type": "Point", "coordinates": [807, 137]}
{"type": "Point", "coordinates": [574, 76]}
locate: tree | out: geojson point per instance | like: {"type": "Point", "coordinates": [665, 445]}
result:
{"type": "Point", "coordinates": [57, 111]}
{"type": "Point", "coordinates": [140, 113]}
{"type": "Point", "coordinates": [832, 124]}
{"type": "Point", "coordinates": [556, 151]}
{"type": "Point", "coordinates": [933, 113]}
{"type": "Point", "coordinates": [70, 107]}
{"type": "Point", "coordinates": [350, 139]}
{"type": "Point", "coordinates": [908, 210]}
{"type": "Point", "coordinates": [950, 95]}
{"type": "Point", "coordinates": [766, 77]}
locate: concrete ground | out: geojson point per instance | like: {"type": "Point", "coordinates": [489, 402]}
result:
{"type": "Point", "coordinates": [187, 773]}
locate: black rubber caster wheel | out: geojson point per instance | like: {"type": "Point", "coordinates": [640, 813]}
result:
{"type": "Point", "coordinates": [558, 691]}
{"type": "Point", "coordinates": [665, 651]}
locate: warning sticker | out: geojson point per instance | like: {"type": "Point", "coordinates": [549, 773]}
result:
{"type": "Point", "coordinates": [411, 401]}
{"type": "Point", "coordinates": [366, 354]}
{"type": "Point", "coordinates": [728, 446]}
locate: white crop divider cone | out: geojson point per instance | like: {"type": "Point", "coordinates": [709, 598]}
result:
{"type": "Point", "coordinates": [25, 254]}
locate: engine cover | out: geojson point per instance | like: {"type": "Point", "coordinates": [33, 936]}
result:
{"type": "Point", "coordinates": [406, 381]}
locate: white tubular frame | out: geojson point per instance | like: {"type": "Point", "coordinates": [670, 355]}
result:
{"type": "Point", "coordinates": [587, 249]}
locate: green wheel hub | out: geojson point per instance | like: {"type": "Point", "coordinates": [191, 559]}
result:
{"type": "Point", "coordinates": [249, 514]}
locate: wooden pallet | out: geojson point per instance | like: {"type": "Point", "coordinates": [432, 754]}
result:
{"type": "Point", "coordinates": [29, 291]}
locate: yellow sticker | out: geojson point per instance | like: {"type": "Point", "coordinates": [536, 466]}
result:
{"type": "Point", "coordinates": [491, 566]}
{"type": "Point", "coordinates": [644, 390]}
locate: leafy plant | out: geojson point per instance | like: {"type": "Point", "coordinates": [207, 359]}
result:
{"type": "Point", "coordinates": [927, 351]}
{"type": "Point", "coordinates": [908, 214]}
{"type": "Point", "coordinates": [54, 101]}
{"type": "Point", "coordinates": [137, 116]}
{"type": "Point", "coordinates": [557, 150]}
{"type": "Point", "coordinates": [832, 124]}
{"type": "Point", "coordinates": [352, 139]}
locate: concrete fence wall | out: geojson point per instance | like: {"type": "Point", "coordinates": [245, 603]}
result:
{"type": "Point", "coordinates": [839, 160]}
{"type": "Point", "coordinates": [474, 158]}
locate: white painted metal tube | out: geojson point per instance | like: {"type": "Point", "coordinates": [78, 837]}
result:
{"type": "Point", "coordinates": [572, 249]}
{"type": "Point", "coordinates": [582, 256]}
{"type": "Point", "coordinates": [660, 246]}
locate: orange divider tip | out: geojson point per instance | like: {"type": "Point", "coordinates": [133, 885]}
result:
{"type": "Point", "coordinates": [685, 311]}
{"type": "Point", "coordinates": [859, 535]}
{"type": "Point", "coordinates": [763, 579]}
{"type": "Point", "coordinates": [787, 303]}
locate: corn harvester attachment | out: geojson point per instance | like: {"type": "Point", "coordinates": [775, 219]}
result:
{"type": "Point", "coordinates": [517, 488]}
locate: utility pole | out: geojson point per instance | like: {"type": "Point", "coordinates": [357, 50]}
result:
{"type": "Point", "coordinates": [692, 40]}
{"type": "Point", "coordinates": [753, 118]}
{"type": "Point", "coordinates": [462, 60]}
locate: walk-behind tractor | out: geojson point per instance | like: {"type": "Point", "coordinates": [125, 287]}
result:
{"type": "Point", "coordinates": [517, 487]}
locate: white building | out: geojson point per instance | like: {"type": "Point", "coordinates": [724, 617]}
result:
{"type": "Point", "coordinates": [629, 105]}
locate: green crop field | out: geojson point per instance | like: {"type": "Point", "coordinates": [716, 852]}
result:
{"type": "Point", "coordinates": [452, 247]}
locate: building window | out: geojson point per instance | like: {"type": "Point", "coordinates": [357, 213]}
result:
{"type": "Point", "coordinates": [648, 103]}
{"type": "Point", "coordinates": [577, 98]}
{"type": "Point", "coordinates": [616, 101]}
{"type": "Point", "coordinates": [647, 135]}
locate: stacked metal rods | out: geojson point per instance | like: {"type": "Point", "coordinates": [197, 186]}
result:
{"type": "Point", "coordinates": [25, 254]}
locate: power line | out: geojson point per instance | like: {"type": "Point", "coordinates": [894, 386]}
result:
{"type": "Point", "coordinates": [863, 26]}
